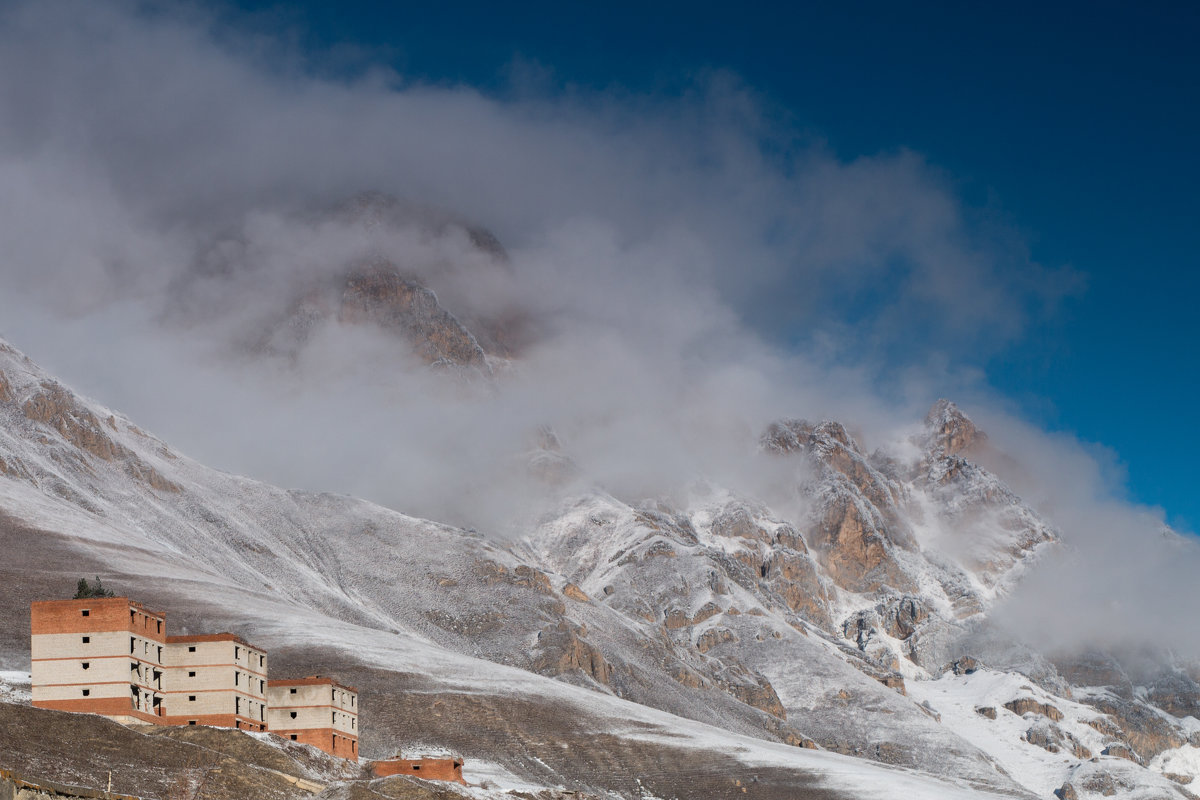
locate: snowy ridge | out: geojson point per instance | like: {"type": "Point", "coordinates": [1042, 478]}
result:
{"type": "Point", "coordinates": [717, 629]}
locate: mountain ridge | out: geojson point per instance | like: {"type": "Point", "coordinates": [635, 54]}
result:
{"type": "Point", "coordinates": [720, 611]}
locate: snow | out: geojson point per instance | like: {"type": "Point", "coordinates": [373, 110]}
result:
{"type": "Point", "coordinates": [14, 686]}
{"type": "Point", "coordinates": [310, 566]}
{"type": "Point", "coordinates": [1180, 761]}
{"type": "Point", "coordinates": [956, 698]}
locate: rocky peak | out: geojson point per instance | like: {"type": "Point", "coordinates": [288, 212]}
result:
{"type": "Point", "coordinates": [801, 436]}
{"type": "Point", "coordinates": [950, 430]}
{"type": "Point", "coordinates": [379, 294]}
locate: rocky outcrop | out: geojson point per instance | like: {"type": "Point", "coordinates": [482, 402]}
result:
{"type": "Point", "coordinates": [1120, 750]}
{"type": "Point", "coordinates": [562, 648]}
{"type": "Point", "coordinates": [1177, 693]}
{"type": "Point", "coordinates": [53, 406]}
{"type": "Point", "coordinates": [994, 531]}
{"type": "Point", "coordinates": [677, 618]}
{"type": "Point", "coordinates": [380, 295]}
{"type": "Point", "coordinates": [779, 560]}
{"type": "Point", "coordinates": [713, 637]}
{"type": "Point", "coordinates": [951, 431]}
{"type": "Point", "coordinates": [575, 593]}
{"type": "Point", "coordinates": [1139, 726]}
{"type": "Point", "coordinates": [1027, 705]}
{"type": "Point", "coordinates": [855, 523]}
{"type": "Point", "coordinates": [1095, 669]}
{"type": "Point", "coordinates": [1054, 739]}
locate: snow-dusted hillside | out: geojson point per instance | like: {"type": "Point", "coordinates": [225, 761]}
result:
{"type": "Point", "coordinates": [633, 648]}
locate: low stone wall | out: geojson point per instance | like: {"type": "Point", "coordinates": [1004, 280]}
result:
{"type": "Point", "coordinates": [13, 787]}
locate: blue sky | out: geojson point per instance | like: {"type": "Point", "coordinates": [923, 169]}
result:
{"type": "Point", "coordinates": [1075, 124]}
{"type": "Point", "coordinates": [1000, 203]}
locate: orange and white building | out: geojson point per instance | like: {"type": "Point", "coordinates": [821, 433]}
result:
{"type": "Point", "coordinates": [102, 655]}
{"type": "Point", "coordinates": [216, 679]}
{"type": "Point", "coordinates": [112, 656]}
{"type": "Point", "coordinates": [317, 711]}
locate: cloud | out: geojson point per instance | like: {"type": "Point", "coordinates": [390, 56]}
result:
{"type": "Point", "coordinates": [1123, 580]}
{"type": "Point", "coordinates": [694, 267]}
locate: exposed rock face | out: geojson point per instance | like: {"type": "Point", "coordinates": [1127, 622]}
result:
{"type": "Point", "coordinates": [53, 406]}
{"type": "Point", "coordinates": [1177, 693]}
{"type": "Point", "coordinates": [1054, 739]}
{"type": "Point", "coordinates": [1139, 726]}
{"type": "Point", "coordinates": [964, 666]}
{"type": "Point", "coordinates": [856, 522]}
{"type": "Point", "coordinates": [952, 431]}
{"type": "Point", "coordinates": [1120, 751]}
{"type": "Point", "coordinates": [575, 593]}
{"type": "Point", "coordinates": [1096, 669]}
{"type": "Point", "coordinates": [1027, 705]}
{"type": "Point", "coordinates": [379, 295]}
{"type": "Point", "coordinates": [779, 561]}
{"type": "Point", "coordinates": [994, 530]}
{"type": "Point", "coordinates": [563, 648]}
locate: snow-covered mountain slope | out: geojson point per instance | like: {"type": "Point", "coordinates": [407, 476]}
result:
{"type": "Point", "coordinates": [620, 647]}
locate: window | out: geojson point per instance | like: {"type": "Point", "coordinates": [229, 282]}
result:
{"type": "Point", "coordinates": [262, 686]}
{"type": "Point", "coordinates": [191, 722]}
{"type": "Point", "coordinates": [192, 649]}
{"type": "Point", "coordinates": [334, 720]}
{"type": "Point", "coordinates": [352, 723]}
{"type": "Point", "coordinates": [86, 664]}
{"type": "Point", "coordinates": [159, 621]}
{"type": "Point", "coordinates": [236, 676]}
{"type": "Point", "coordinates": [293, 737]}
{"type": "Point", "coordinates": [262, 661]}
{"type": "Point", "coordinates": [416, 766]}
{"type": "Point", "coordinates": [87, 692]}
{"type": "Point", "coordinates": [160, 654]}
{"type": "Point", "coordinates": [86, 612]}
{"type": "Point", "coordinates": [191, 674]}
{"type": "Point", "coordinates": [191, 698]}
{"type": "Point", "coordinates": [132, 643]}
{"type": "Point", "coordinates": [87, 639]}
{"type": "Point", "coordinates": [237, 652]}
{"type": "Point", "coordinates": [293, 714]}
{"type": "Point", "coordinates": [262, 713]}
{"type": "Point", "coordinates": [237, 705]}
{"type": "Point", "coordinates": [291, 691]}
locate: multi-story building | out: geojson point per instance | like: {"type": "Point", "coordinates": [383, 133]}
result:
{"type": "Point", "coordinates": [111, 656]}
{"type": "Point", "coordinates": [101, 655]}
{"type": "Point", "coordinates": [216, 679]}
{"type": "Point", "coordinates": [315, 710]}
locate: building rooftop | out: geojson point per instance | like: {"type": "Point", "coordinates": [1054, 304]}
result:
{"type": "Point", "coordinates": [311, 680]}
{"type": "Point", "coordinates": [212, 637]}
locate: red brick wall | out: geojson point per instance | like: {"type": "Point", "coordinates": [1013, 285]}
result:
{"type": "Point", "coordinates": [431, 769]}
{"type": "Point", "coordinates": [218, 721]}
{"type": "Point", "coordinates": [327, 739]}
{"type": "Point", "coordinates": [105, 614]}
{"type": "Point", "coordinates": [109, 706]}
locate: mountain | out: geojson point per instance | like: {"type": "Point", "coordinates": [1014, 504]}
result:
{"type": "Point", "coordinates": [707, 646]}
{"type": "Point", "coordinates": [407, 272]}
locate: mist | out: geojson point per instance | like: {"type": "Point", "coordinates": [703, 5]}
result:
{"type": "Point", "coordinates": [693, 266]}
